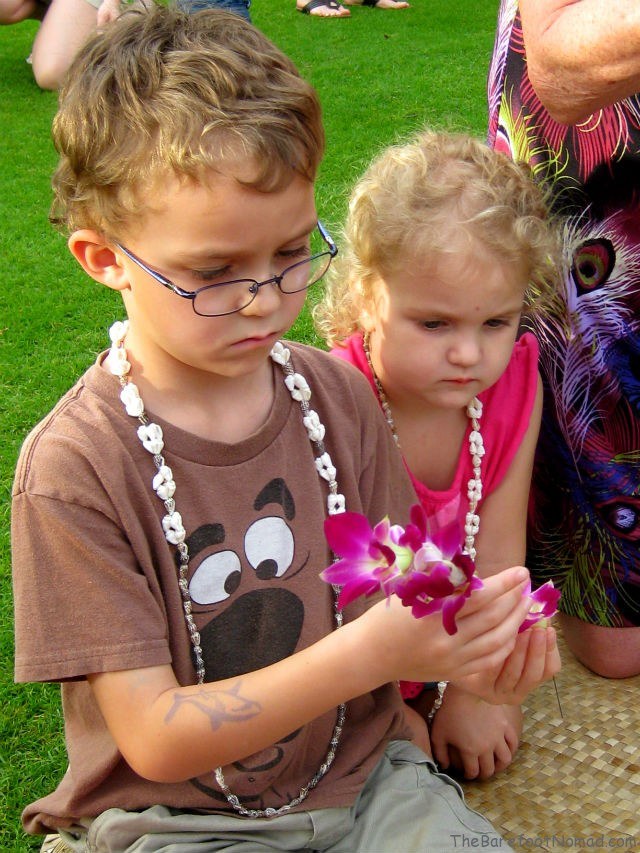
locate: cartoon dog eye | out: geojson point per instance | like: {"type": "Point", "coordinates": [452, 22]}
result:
{"type": "Point", "coordinates": [269, 546]}
{"type": "Point", "coordinates": [216, 578]}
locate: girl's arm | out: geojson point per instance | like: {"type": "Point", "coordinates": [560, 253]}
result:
{"type": "Point", "coordinates": [477, 738]}
{"type": "Point", "coordinates": [501, 541]}
{"type": "Point", "coordinates": [582, 55]}
{"type": "Point", "coordinates": [169, 733]}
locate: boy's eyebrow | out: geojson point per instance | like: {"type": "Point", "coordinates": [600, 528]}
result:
{"type": "Point", "coordinates": [205, 254]}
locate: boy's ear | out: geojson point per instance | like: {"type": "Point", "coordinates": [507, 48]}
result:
{"type": "Point", "coordinates": [98, 258]}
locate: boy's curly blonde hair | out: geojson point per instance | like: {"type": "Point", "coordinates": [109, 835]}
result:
{"type": "Point", "coordinates": [162, 93]}
{"type": "Point", "coordinates": [414, 199]}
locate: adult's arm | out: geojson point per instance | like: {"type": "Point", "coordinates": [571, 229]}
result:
{"type": "Point", "coordinates": [582, 55]}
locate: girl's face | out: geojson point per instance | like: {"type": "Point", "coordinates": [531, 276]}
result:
{"type": "Point", "coordinates": [443, 328]}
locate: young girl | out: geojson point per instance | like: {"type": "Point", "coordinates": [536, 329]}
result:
{"type": "Point", "coordinates": [447, 242]}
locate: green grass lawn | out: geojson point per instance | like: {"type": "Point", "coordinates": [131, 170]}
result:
{"type": "Point", "coordinates": [380, 75]}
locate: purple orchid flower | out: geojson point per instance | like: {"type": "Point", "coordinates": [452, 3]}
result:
{"type": "Point", "coordinates": [443, 577]}
{"type": "Point", "coordinates": [544, 604]}
{"type": "Point", "coordinates": [371, 558]}
{"type": "Point", "coordinates": [428, 573]}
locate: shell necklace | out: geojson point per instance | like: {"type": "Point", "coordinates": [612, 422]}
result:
{"type": "Point", "coordinates": [163, 484]}
{"type": "Point", "coordinates": [476, 451]}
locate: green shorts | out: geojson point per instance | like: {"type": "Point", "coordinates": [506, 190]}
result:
{"type": "Point", "coordinates": [406, 805]}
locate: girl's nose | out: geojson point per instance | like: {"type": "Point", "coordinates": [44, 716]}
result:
{"type": "Point", "coordinates": [465, 351]}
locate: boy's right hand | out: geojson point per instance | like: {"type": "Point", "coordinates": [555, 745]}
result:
{"type": "Point", "coordinates": [410, 649]}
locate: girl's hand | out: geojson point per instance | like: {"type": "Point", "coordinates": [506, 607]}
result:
{"type": "Point", "coordinates": [534, 659]}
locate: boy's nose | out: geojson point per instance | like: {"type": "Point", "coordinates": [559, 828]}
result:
{"type": "Point", "coordinates": [266, 300]}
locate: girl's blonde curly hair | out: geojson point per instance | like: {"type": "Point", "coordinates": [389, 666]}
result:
{"type": "Point", "coordinates": [414, 198]}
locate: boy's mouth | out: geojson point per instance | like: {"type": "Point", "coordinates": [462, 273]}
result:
{"type": "Point", "coordinates": [258, 340]}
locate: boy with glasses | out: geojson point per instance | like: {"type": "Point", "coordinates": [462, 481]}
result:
{"type": "Point", "coordinates": [168, 514]}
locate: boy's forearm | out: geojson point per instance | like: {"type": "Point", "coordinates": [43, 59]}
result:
{"type": "Point", "coordinates": [169, 733]}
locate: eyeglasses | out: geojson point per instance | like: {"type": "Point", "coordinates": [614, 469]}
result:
{"type": "Point", "coordinates": [227, 297]}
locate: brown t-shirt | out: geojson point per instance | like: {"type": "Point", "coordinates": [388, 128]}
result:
{"type": "Point", "coordinates": [96, 588]}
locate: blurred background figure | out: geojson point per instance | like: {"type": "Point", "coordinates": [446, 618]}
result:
{"type": "Point", "coordinates": [65, 26]}
{"type": "Point", "coordinates": [333, 9]}
{"type": "Point", "coordinates": [240, 7]}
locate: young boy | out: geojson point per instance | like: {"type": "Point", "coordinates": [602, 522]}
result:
{"type": "Point", "coordinates": [168, 514]}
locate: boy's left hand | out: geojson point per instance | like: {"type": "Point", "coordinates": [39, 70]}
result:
{"type": "Point", "coordinates": [534, 660]}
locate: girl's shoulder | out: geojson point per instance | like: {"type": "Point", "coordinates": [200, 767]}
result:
{"type": "Point", "coordinates": [517, 387]}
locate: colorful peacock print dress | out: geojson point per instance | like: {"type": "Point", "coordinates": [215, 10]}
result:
{"type": "Point", "coordinates": [585, 509]}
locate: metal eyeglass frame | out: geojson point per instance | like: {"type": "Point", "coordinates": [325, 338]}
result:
{"type": "Point", "coordinates": [254, 286]}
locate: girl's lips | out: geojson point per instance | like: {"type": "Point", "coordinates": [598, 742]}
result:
{"type": "Point", "coordinates": [461, 381]}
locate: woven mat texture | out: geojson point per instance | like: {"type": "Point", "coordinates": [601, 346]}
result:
{"type": "Point", "coordinates": [575, 781]}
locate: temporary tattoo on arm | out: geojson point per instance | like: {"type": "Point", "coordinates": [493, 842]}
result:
{"type": "Point", "coordinates": [219, 706]}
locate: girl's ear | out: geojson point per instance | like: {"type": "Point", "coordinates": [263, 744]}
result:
{"type": "Point", "coordinates": [369, 305]}
{"type": "Point", "coordinates": [98, 258]}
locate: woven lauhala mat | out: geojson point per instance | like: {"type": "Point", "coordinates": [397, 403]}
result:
{"type": "Point", "coordinates": [575, 781]}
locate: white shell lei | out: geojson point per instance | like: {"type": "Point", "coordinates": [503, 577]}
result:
{"type": "Point", "coordinates": [476, 451]}
{"type": "Point", "coordinates": [164, 486]}
{"type": "Point", "coordinates": [474, 486]}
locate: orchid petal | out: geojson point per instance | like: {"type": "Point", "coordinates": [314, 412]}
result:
{"type": "Point", "coordinates": [343, 571]}
{"type": "Point", "coordinates": [451, 606]}
{"type": "Point", "coordinates": [543, 604]}
{"type": "Point", "coordinates": [355, 588]}
{"type": "Point", "coordinates": [422, 608]}
{"type": "Point", "coordinates": [348, 534]}
{"type": "Point", "coordinates": [447, 538]}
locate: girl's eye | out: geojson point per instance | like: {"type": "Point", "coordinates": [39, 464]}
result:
{"type": "Point", "coordinates": [496, 323]}
{"type": "Point", "coordinates": [431, 325]}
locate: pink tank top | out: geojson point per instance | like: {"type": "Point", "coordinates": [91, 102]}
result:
{"type": "Point", "coordinates": [506, 413]}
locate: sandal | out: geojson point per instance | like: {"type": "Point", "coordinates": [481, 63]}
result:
{"type": "Point", "coordinates": [308, 8]}
{"type": "Point", "coordinates": [401, 4]}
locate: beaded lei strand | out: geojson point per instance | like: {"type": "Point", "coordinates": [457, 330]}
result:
{"type": "Point", "coordinates": [163, 484]}
{"type": "Point", "coordinates": [474, 485]}
{"type": "Point", "coordinates": [476, 451]}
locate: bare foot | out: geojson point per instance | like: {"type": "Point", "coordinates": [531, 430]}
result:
{"type": "Point", "coordinates": [324, 8]}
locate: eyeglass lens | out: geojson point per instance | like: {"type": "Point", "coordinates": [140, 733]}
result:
{"type": "Point", "coordinates": [227, 298]}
